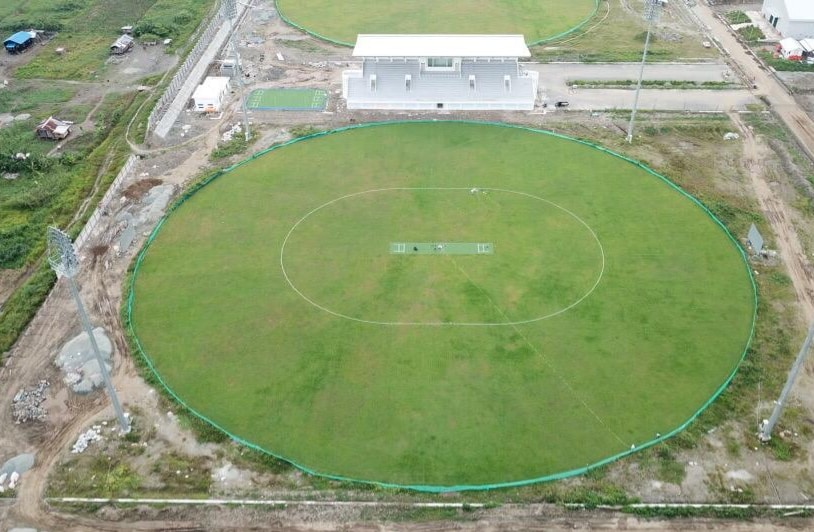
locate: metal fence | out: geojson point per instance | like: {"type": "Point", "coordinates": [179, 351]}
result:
{"type": "Point", "coordinates": [93, 221]}
{"type": "Point", "coordinates": [204, 38]}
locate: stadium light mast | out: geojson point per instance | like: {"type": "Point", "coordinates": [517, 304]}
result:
{"type": "Point", "coordinates": [63, 260]}
{"type": "Point", "coordinates": [652, 9]}
{"type": "Point", "coordinates": [230, 7]}
{"type": "Point", "coordinates": [767, 427]}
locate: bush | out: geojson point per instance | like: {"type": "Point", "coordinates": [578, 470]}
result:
{"type": "Point", "coordinates": [14, 247]}
{"type": "Point", "coordinates": [778, 63]}
{"type": "Point", "coordinates": [11, 24]}
{"type": "Point", "coordinates": [751, 33]}
{"type": "Point", "coordinates": [303, 131]}
{"type": "Point", "coordinates": [147, 27]}
{"type": "Point", "coordinates": [737, 17]}
{"type": "Point", "coordinates": [23, 304]}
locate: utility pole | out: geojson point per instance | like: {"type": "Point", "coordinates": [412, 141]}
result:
{"type": "Point", "coordinates": [651, 15]}
{"type": "Point", "coordinates": [230, 8]}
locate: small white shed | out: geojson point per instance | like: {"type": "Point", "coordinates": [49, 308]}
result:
{"type": "Point", "coordinates": [209, 95]}
{"type": "Point", "coordinates": [808, 46]}
{"type": "Point", "coordinates": [791, 49]}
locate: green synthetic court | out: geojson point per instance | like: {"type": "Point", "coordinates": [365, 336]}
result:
{"type": "Point", "coordinates": [341, 22]}
{"type": "Point", "coordinates": [607, 310]}
{"type": "Point", "coordinates": [287, 100]}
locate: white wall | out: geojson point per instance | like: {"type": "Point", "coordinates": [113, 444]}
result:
{"type": "Point", "coordinates": [786, 27]}
{"type": "Point", "coordinates": [797, 29]}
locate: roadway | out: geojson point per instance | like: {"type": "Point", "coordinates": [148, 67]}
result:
{"type": "Point", "coordinates": [767, 86]}
{"type": "Point", "coordinates": [556, 80]}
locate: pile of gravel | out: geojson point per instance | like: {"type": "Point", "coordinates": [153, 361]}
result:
{"type": "Point", "coordinates": [27, 404]}
{"type": "Point", "coordinates": [86, 438]}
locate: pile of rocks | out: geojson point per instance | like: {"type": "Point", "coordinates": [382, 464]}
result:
{"type": "Point", "coordinates": [27, 404]}
{"type": "Point", "coordinates": [78, 362]}
{"type": "Point", "coordinates": [230, 133]}
{"type": "Point", "coordinates": [12, 480]}
{"type": "Point", "coordinates": [86, 438]}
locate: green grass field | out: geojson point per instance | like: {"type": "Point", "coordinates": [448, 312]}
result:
{"type": "Point", "coordinates": [87, 28]}
{"type": "Point", "coordinates": [288, 99]}
{"type": "Point", "coordinates": [610, 309]}
{"type": "Point", "coordinates": [342, 21]}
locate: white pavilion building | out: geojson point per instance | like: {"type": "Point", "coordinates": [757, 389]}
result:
{"type": "Point", "coordinates": [451, 72]}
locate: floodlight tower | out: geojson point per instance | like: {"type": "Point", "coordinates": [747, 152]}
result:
{"type": "Point", "coordinates": [230, 10]}
{"type": "Point", "coordinates": [652, 10]}
{"type": "Point", "coordinates": [767, 427]}
{"type": "Point", "coordinates": [62, 258]}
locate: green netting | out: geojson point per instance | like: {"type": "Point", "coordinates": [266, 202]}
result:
{"type": "Point", "coordinates": [417, 487]}
{"type": "Point", "coordinates": [343, 43]}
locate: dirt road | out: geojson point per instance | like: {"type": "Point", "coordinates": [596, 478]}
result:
{"type": "Point", "coordinates": [767, 86]}
{"type": "Point", "coordinates": [777, 213]}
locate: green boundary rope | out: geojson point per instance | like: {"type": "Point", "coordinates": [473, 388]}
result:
{"type": "Point", "coordinates": [343, 43]}
{"type": "Point", "coordinates": [417, 487]}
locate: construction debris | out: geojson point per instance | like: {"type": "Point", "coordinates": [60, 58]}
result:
{"type": "Point", "coordinates": [27, 404]}
{"type": "Point", "coordinates": [86, 438]}
{"type": "Point", "coordinates": [230, 133]}
{"type": "Point", "coordinates": [12, 470]}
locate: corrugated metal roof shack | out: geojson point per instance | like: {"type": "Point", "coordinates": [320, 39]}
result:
{"type": "Point", "coordinates": [19, 41]}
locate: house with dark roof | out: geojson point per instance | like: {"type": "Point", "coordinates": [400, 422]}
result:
{"type": "Point", "coordinates": [122, 45]}
{"type": "Point", "coordinates": [54, 129]}
{"type": "Point", "coordinates": [19, 41]}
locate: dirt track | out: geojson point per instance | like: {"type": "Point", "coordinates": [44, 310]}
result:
{"type": "Point", "coordinates": [767, 86]}
{"type": "Point", "coordinates": [779, 217]}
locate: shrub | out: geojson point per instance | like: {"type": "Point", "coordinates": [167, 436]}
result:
{"type": "Point", "coordinates": [737, 17]}
{"type": "Point", "coordinates": [751, 33]}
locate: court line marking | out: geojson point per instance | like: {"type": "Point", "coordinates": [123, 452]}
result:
{"type": "Point", "coordinates": [440, 323]}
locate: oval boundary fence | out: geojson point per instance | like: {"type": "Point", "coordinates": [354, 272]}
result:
{"type": "Point", "coordinates": [130, 326]}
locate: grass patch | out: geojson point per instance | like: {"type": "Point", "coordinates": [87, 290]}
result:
{"type": "Point", "coordinates": [751, 33]}
{"type": "Point", "coordinates": [94, 476]}
{"type": "Point", "coordinates": [303, 131]}
{"type": "Point", "coordinates": [36, 100]}
{"type": "Point", "coordinates": [237, 145]}
{"type": "Point", "coordinates": [737, 17]}
{"type": "Point", "coordinates": [622, 37]}
{"type": "Point", "coordinates": [538, 20]}
{"type": "Point", "coordinates": [179, 474]}
{"type": "Point", "coordinates": [654, 84]}
{"type": "Point", "coordinates": [88, 27]}
{"type": "Point", "coordinates": [312, 369]}
{"type": "Point", "coordinates": [784, 65]}
{"type": "Point", "coordinates": [50, 196]}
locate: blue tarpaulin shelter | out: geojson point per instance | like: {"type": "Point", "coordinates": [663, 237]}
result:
{"type": "Point", "coordinates": [19, 41]}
